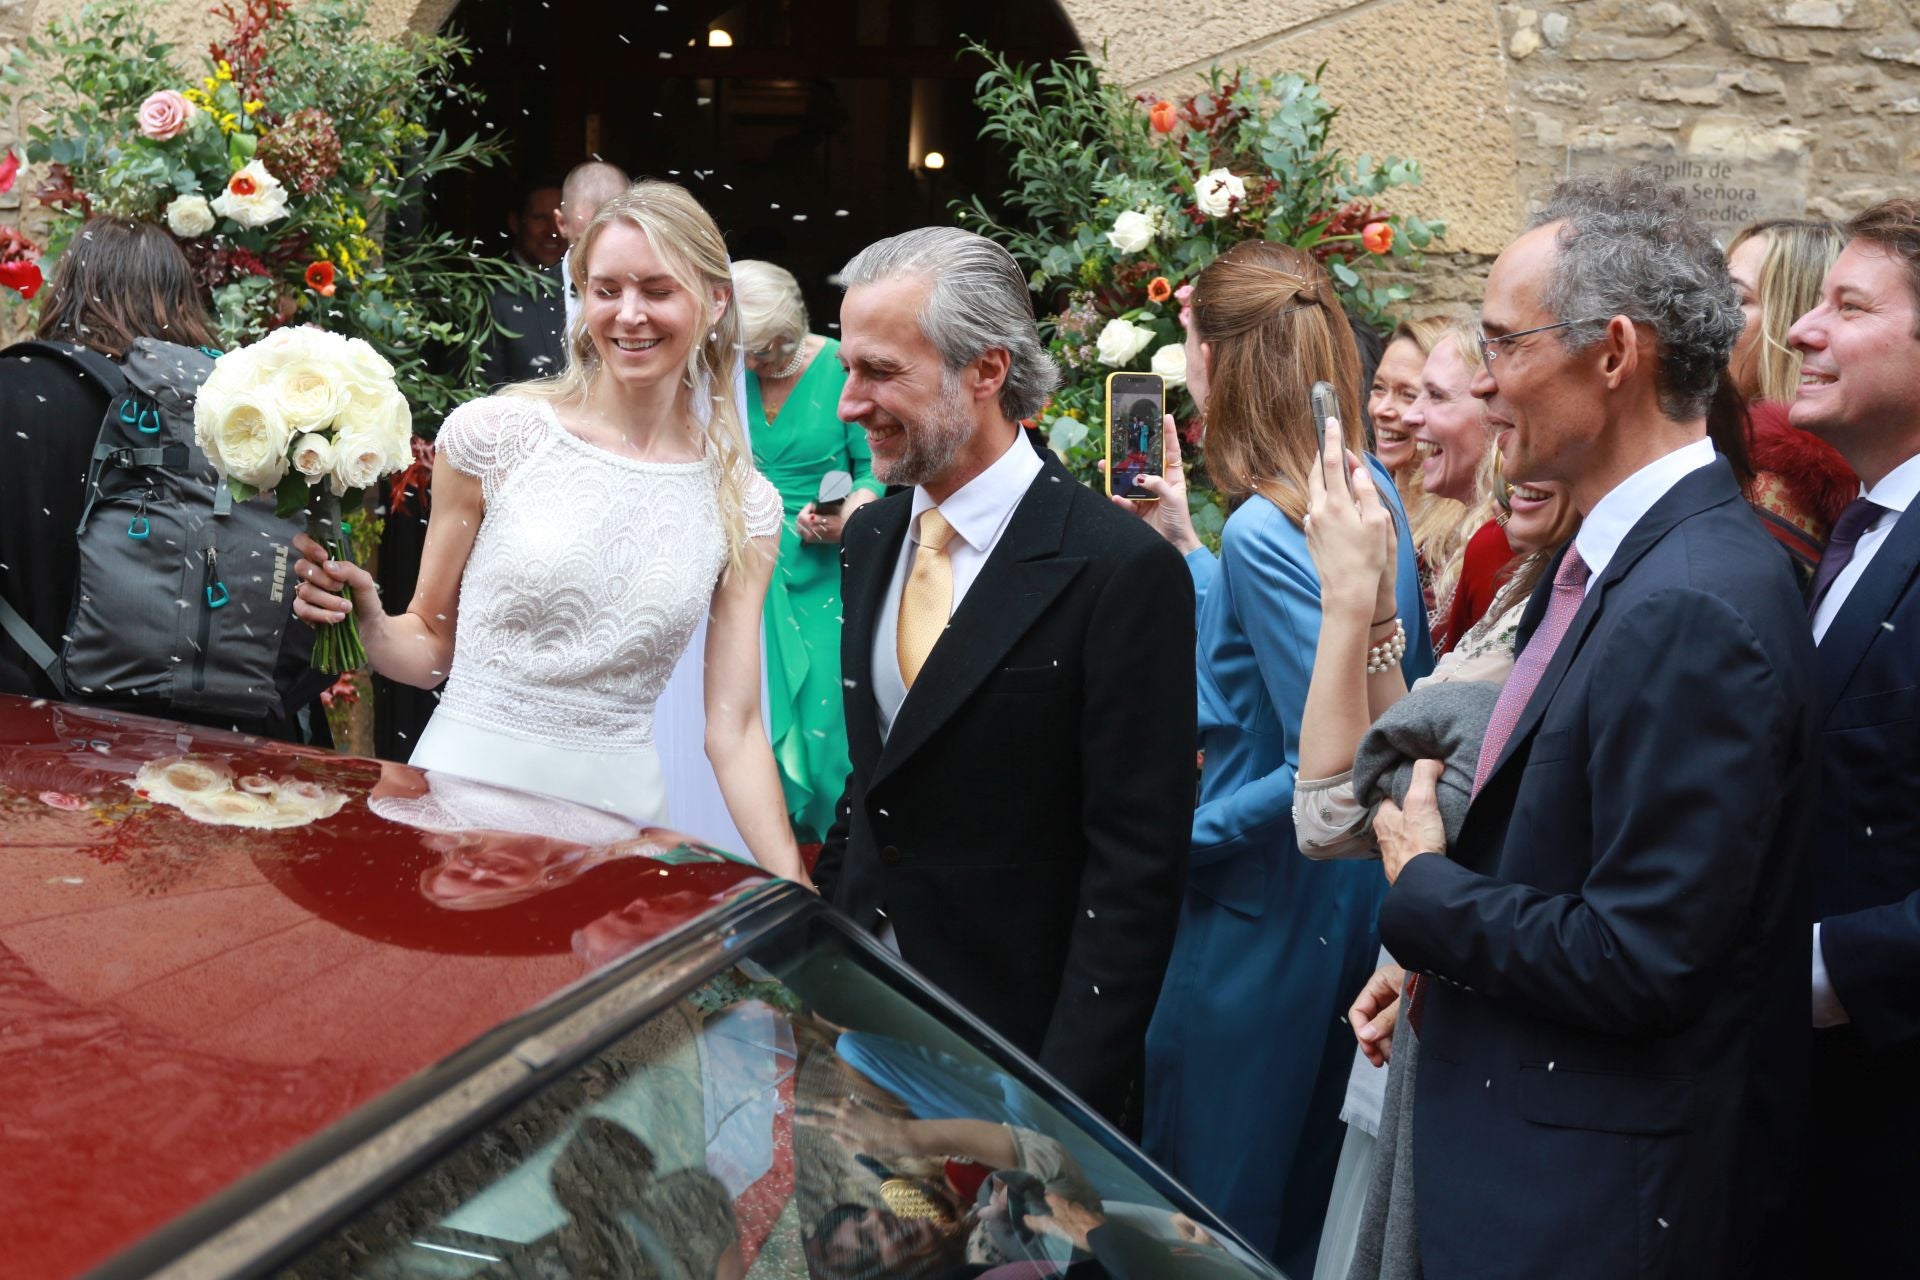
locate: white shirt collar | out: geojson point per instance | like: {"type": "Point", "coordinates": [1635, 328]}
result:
{"type": "Point", "coordinates": [1898, 488]}
{"type": "Point", "coordinates": [980, 507]}
{"type": "Point", "coordinates": [1614, 516]}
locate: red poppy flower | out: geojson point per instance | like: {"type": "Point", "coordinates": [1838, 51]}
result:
{"type": "Point", "coordinates": [1164, 116]}
{"type": "Point", "coordinates": [320, 278]}
{"type": "Point", "coordinates": [1158, 289]}
{"type": "Point", "coordinates": [9, 167]}
{"type": "Point", "coordinates": [242, 185]}
{"type": "Point", "coordinates": [24, 277]}
{"type": "Point", "coordinates": [1377, 237]}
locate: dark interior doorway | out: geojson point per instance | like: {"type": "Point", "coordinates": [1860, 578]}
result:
{"type": "Point", "coordinates": [804, 126]}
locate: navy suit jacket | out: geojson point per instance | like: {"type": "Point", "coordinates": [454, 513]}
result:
{"type": "Point", "coordinates": [1613, 1059]}
{"type": "Point", "coordinates": [1866, 1132]}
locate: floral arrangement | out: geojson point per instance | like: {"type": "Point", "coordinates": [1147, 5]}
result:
{"type": "Point", "coordinates": [317, 418]}
{"type": "Point", "coordinates": [1125, 199]}
{"type": "Point", "coordinates": [290, 166]}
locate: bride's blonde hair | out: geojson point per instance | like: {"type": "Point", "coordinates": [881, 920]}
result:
{"type": "Point", "coordinates": [687, 240]}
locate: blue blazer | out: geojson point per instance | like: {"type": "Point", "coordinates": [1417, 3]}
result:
{"type": "Point", "coordinates": [1866, 1094]}
{"type": "Point", "coordinates": [1613, 1059]}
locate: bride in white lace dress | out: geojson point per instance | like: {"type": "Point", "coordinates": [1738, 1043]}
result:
{"type": "Point", "coordinates": [582, 526]}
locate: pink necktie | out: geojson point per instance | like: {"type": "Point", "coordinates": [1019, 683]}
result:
{"type": "Point", "coordinates": [1569, 589]}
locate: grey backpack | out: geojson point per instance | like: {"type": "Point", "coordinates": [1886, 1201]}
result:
{"type": "Point", "coordinates": [183, 600]}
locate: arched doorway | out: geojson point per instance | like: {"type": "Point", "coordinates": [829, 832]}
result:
{"type": "Point", "coordinates": [805, 126]}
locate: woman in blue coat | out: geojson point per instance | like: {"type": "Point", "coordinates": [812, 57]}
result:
{"type": "Point", "coordinates": [1248, 1052]}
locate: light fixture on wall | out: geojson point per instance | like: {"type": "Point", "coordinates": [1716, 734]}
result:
{"type": "Point", "coordinates": [719, 39]}
{"type": "Point", "coordinates": [933, 160]}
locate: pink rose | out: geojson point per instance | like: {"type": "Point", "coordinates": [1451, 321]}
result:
{"type": "Point", "coordinates": [164, 114]}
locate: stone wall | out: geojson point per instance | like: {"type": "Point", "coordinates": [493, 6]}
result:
{"type": "Point", "coordinates": [1762, 107]}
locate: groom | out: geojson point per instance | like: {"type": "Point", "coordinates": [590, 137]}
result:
{"type": "Point", "coordinates": [1018, 659]}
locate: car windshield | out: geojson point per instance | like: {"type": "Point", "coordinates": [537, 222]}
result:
{"type": "Point", "coordinates": [805, 1111]}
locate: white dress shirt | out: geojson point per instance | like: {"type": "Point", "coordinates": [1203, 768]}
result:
{"type": "Point", "coordinates": [1895, 491]}
{"type": "Point", "coordinates": [979, 512]}
{"type": "Point", "coordinates": [1614, 516]}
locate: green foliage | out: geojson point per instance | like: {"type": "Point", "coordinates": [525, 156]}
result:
{"type": "Point", "coordinates": [1080, 153]}
{"type": "Point", "coordinates": [342, 122]}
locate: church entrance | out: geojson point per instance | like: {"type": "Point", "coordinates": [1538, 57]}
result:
{"type": "Point", "coordinates": [809, 128]}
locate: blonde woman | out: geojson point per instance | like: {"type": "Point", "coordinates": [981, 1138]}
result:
{"type": "Point", "coordinates": [1436, 522]}
{"type": "Point", "coordinates": [582, 527]}
{"type": "Point", "coordinates": [1456, 468]}
{"type": "Point", "coordinates": [1797, 482]}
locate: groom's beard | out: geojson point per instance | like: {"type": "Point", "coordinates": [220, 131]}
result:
{"type": "Point", "coordinates": [933, 442]}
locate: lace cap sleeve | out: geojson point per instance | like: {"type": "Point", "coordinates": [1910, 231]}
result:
{"type": "Point", "coordinates": [488, 438]}
{"type": "Point", "coordinates": [762, 506]}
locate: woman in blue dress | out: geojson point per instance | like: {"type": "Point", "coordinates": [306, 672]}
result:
{"type": "Point", "coordinates": [1248, 1052]}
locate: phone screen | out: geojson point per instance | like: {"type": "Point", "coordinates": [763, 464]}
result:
{"type": "Point", "coordinates": [1136, 422]}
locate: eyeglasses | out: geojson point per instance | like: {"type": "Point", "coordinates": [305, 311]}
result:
{"type": "Point", "coordinates": [783, 347]}
{"type": "Point", "coordinates": [1487, 352]}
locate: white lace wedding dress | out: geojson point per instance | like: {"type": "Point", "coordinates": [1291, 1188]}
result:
{"type": "Point", "coordinates": [589, 575]}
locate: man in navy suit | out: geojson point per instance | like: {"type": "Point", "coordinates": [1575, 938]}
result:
{"type": "Point", "coordinates": [1613, 1049]}
{"type": "Point", "coordinates": [1860, 389]}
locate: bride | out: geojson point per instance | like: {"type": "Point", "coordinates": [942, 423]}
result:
{"type": "Point", "coordinates": [582, 527]}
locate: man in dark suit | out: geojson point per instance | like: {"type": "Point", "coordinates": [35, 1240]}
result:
{"type": "Point", "coordinates": [535, 317]}
{"type": "Point", "coordinates": [1613, 1048]}
{"type": "Point", "coordinates": [1019, 671]}
{"type": "Point", "coordinates": [1860, 390]}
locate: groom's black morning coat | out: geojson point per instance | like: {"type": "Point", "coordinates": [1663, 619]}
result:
{"type": "Point", "coordinates": [1025, 825]}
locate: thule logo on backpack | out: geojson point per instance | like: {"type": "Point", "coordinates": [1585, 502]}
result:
{"type": "Point", "coordinates": [279, 574]}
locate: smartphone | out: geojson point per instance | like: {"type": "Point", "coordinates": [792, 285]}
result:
{"type": "Point", "coordinates": [1326, 404]}
{"type": "Point", "coordinates": [1136, 432]}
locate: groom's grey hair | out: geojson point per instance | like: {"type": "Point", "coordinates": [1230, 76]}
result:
{"type": "Point", "coordinates": [978, 301]}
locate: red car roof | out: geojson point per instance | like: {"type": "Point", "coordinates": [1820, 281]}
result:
{"type": "Point", "coordinates": [212, 947]}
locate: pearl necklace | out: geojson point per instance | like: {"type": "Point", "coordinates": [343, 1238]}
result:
{"type": "Point", "coordinates": [793, 365]}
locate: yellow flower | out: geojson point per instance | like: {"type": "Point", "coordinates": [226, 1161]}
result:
{"type": "Point", "coordinates": [253, 106]}
{"type": "Point", "coordinates": [225, 69]}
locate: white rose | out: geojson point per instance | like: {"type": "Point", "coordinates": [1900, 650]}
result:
{"type": "Point", "coordinates": [364, 363]}
{"type": "Point", "coordinates": [253, 197]}
{"type": "Point", "coordinates": [399, 432]}
{"type": "Point", "coordinates": [313, 456]}
{"type": "Point", "coordinates": [1132, 232]}
{"type": "Point", "coordinates": [189, 216]}
{"type": "Point", "coordinates": [241, 431]}
{"type": "Point", "coordinates": [1213, 192]}
{"type": "Point", "coordinates": [1121, 341]}
{"type": "Point", "coordinates": [308, 393]}
{"type": "Point", "coordinates": [1170, 362]}
{"type": "Point", "coordinates": [359, 459]}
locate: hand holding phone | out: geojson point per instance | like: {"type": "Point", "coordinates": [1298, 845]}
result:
{"type": "Point", "coordinates": [1326, 408]}
{"type": "Point", "coordinates": [1136, 443]}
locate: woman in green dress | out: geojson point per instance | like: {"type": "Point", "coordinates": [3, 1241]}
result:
{"type": "Point", "coordinates": [793, 398]}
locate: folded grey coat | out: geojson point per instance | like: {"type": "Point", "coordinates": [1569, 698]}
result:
{"type": "Point", "coordinates": [1440, 720]}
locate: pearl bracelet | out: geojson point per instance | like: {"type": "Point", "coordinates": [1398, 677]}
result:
{"type": "Point", "coordinates": [1382, 657]}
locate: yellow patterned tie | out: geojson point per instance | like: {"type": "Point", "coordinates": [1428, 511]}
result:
{"type": "Point", "coordinates": [927, 600]}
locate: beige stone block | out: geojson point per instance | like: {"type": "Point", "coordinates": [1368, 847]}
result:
{"type": "Point", "coordinates": [1451, 114]}
{"type": "Point", "coordinates": [1693, 85]}
{"type": "Point", "coordinates": [1850, 15]}
{"type": "Point", "coordinates": [1625, 31]}
{"type": "Point", "coordinates": [1759, 83]}
{"type": "Point", "coordinates": [1559, 91]}
{"type": "Point", "coordinates": [1786, 46]}
{"type": "Point", "coordinates": [1901, 49]}
{"type": "Point", "coordinates": [1523, 42]}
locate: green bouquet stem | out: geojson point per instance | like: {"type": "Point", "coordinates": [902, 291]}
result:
{"type": "Point", "coordinates": [336, 645]}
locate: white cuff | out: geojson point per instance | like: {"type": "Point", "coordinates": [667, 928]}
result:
{"type": "Point", "coordinates": [1827, 1010]}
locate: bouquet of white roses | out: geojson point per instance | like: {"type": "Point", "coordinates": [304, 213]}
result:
{"type": "Point", "coordinates": [316, 417]}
